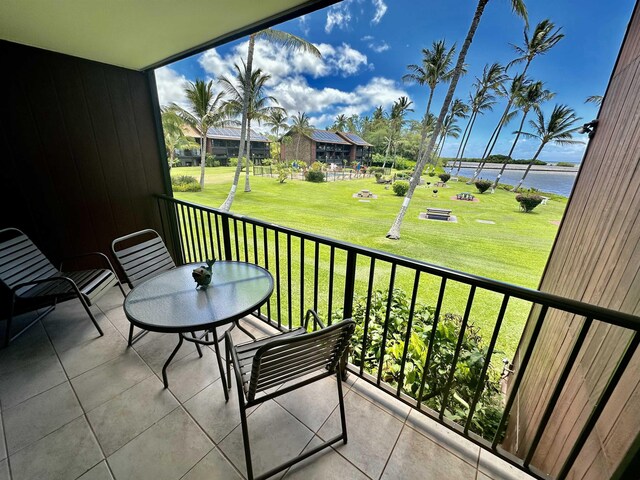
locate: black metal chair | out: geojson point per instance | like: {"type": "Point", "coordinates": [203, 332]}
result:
{"type": "Point", "coordinates": [33, 282]}
{"type": "Point", "coordinates": [270, 362]}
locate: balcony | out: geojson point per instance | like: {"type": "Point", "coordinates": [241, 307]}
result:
{"type": "Point", "coordinates": [75, 405]}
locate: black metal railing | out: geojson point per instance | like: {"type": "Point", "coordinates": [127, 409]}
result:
{"type": "Point", "coordinates": [341, 280]}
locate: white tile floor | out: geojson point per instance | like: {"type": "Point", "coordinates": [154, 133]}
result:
{"type": "Point", "coordinates": [75, 405]}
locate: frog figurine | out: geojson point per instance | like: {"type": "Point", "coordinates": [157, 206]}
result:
{"type": "Point", "coordinates": [202, 275]}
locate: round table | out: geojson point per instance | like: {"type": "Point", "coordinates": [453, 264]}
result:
{"type": "Point", "coordinates": [171, 302]}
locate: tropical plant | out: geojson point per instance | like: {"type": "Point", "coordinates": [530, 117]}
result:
{"type": "Point", "coordinates": [259, 107]}
{"type": "Point", "coordinates": [185, 183]}
{"type": "Point", "coordinates": [544, 37]}
{"type": "Point", "coordinates": [450, 127]}
{"type": "Point", "coordinates": [520, 9]}
{"type": "Point", "coordinates": [300, 126]}
{"type": "Point", "coordinates": [396, 121]}
{"type": "Point", "coordinates": [528, 202]}
{"type": "Point", "coordinates": [400, 187]}
{"type": "Point", "coordinates": [204, 111]}
{"type": "Point", "coordinates": [277, 120]}
{"type": "Point", "coordinates": [482, 185]}
{"type": "Point", "coordinates": [444, 177]}
{"type": "Point", "coordinates": [531, 97]}
{"type": "Point", "coordinates": [284, 170]}
{"type": "Point", "coordinates": [174, 137]}
{"type": "Point", "coordinates": [340, 123]}
{"type": "Point", "coordinates": [595, 99]}
{"type": "Point", "coordinates": [558, 128]}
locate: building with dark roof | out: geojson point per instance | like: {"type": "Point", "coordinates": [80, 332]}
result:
{"type": "Point", "coordinates": [327, 147]}
{"type": "Point", "coordinates": [224, 143]}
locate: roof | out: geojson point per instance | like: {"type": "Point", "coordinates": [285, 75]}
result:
{"type": "Point", "coordinates": [134, 34]}
{"type": "Point", "coordinates": [231, 133]}
{"type": "Point", "coordinates": [355, 139]}
{"type": "Point", "coordinates": [327, 137]}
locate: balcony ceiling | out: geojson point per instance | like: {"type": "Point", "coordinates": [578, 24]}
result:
{"type": "Point", "coordinates": [135, 34]}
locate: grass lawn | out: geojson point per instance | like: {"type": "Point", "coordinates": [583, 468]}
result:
{"type": "Point", "coordinates": [514, 249]}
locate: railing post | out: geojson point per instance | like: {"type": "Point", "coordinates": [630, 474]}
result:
{"type": "Point", "coordinates": [347, 306]}
{"type": "Point", "coordinates": [226, 237]}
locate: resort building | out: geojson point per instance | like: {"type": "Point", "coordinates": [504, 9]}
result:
{"type": "Point", "coordinates": [327, 147]}
{"type": "Point", "coordinates": [223, 144]}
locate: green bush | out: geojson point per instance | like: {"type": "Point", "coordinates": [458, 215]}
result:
{"type": "Point", "coordinates": [400, 188]}
{"type": "Point", "coordinates": [185, 183]}
{"type": "Point", "coordinates": [233, 162]}
{"type": "Point", "coordinates": [284, 170]}
{"type": "Point", "coordinates": [482, 185]}
{"type": "Point", "coordinates": [444, 177]}
{"type": "Point", "coordinates": [211, 161]}
{"type": "Point", "coordinates": [266, 162]}
{"type": "Point", "coordinates": [375, 170]}
{"type": "Point", "coordinates": [565, 164]}
{"type": "Point", "coordinates": [468, 368]}
{"type": "Point", "coordinates": [404, 163]}
{"type": "Point", "coordinates": [528, 202]}
{"type": "Point", "coordinates": [316, 176]}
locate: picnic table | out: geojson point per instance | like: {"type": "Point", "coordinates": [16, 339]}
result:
{"type": "Point", "coordinates": [438, 213]}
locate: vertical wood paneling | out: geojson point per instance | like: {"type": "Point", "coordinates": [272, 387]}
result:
{"type": "Point", "coordinates": [81, 151]}
{"type": "Point", "coordinates": [596, 259]}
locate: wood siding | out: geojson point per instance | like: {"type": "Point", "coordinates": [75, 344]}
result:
{"type": "Point", "coordinates": [81, 157]}
{"type": "Point", "coordinates": [596, 259]}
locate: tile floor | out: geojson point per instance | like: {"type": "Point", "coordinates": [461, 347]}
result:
{"type": "Point", "coordinates": [75, 405]}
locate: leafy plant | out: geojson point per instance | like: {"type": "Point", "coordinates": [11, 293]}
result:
{"type": "Point", "coordinates": [284, 170]}
{"type": "Point", "coordinates": [444, 177]}
{"type": "Point", "coordinates": [315, 173]}
{"type": "Point", "coordinates": [400, 188]}
{"type": "Point", "coordinates": [211, 161]}
{"type": "Point", "coordinates": [528, 202]}
{"type": "Point", "coordinates": [482, 185]}
{"type": "Point", "coordinates": [185, 183]}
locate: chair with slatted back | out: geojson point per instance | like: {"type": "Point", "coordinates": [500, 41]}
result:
{"type": "Point", "coordinates": [33, 282]}
{"type": "Point", "coordinates": [298, 357]}
{"type": "Point", "coordinates": [141, 255]}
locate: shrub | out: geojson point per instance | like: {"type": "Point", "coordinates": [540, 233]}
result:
{"type": "Point", "coordinates": [211, 161]}
{"type": "Point", "coordinates": [528, 202]}
{"type": "Point", "coordinates": [482, 185]}
{"type": "Point", "coordinates": [316, 176]}
{"type": "Point", "coordinates": [565, 164]}
{"type": "Point", "coordinates": [378, 176]}
{"type": "Point", "coordinates": [404, 163]}
{"type": "Point", "coordinates": [185, 183]}
{"type": "Point", "coordinates": [266, 162]}
{"type": "Point", "coordinates": [283, 170]}
{"type": "Point", "coordinates": [233, 162]}
{"type": "Point", "coordinates": [444, 177]}
{"type": "Point", "coordinates": [400, 188]}
{"type": "Point", "coordinates": [468, 367]}
{"type": "Point", "coordinates": [375, 170]}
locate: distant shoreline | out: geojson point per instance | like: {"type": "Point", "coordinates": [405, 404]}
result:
{"type": "Point", "coordinates": [511, 166]}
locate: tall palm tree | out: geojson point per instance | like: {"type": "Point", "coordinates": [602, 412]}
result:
{"type": "Point", "coordinates": [340, 123]}
{"type": "Point", "coordinates": [450, 127]}
{"type": "Point", "coordinates": [545, 36]}
{"type": "Point", "coordinates": [300, 125]}
{"type": "Point", "coordinates": [259, 106]}
{"type": "Point", "coordinates": [285, 40]}
{"type": "Point", "coordinates": [435, 68]}
{"type": "Point", "coordinates": [174, 137]}
{"type": "Point", "coordinates": [558, 129]}
{"type": "Point", "coordinates": [530, 98]}
{"type": "Point", "coordinates": [204, 111]}
{"type": "Point", "coordinates": [518, 83]}
{"type": "Point", "coordinates": [396, 120]}
{"type": "Point", "coordinates": [595, 99]}
{"type": "Point", "coordinates": [493, 77]}
{"type": "Point", "coordinates": [277, 120]}
{"type": "Point", "coordinates": [520, 9]}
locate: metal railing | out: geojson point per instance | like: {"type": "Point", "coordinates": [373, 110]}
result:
{"type": "Point", "coordinates": [339, 280]}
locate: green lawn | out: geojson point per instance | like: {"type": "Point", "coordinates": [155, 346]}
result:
{"type": "Point", "coordinates": [513, 250]}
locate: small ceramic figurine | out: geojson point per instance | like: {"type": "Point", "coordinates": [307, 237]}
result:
{"type": "Point", "coordinates": [202, 275]}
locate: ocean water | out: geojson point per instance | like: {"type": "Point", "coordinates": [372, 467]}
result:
{"type": "Point", "coordinates": [559, 183]}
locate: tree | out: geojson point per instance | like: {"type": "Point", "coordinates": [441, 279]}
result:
{"type": "Point", "coordinates": [285, 40]}
{"type": "Point", "coordinates": [530, 98]}
{"type": "Point", "coordinates": [277, 120]}
{"type": "Point", "coordinates": [545, 36]}
{"type": "Point", "coordinates": [450, 127]}
{"type": "Point", "coordinates": [595, 99]}
{"type": "Point", "coordinates": [300, 125]}
{"type": "Point", "coordinates": [174, 137]}
{"type": "Point", "coordinates": [435, 68]}
{"type": "Point", "coordinates": [396, 121]}
{"type": "Point", "coordinates": [519, 8]}
{"type": "Point", "coordinates": [558, 129]}
{"type": "Point", "coordinates": [340, 123]}
{"type": "Point", "coordinates": [258, 108]}
{"type": "Point", "coordinates": [204, 112]}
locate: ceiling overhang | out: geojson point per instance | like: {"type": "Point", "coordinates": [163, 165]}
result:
{"type": "Point", "coordinates": [140, 34]}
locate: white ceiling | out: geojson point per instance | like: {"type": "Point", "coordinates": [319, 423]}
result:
{"type": "Point", "coordinates": [134, 34]}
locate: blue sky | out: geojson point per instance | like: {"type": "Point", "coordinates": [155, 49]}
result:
{"type": "Point", "coordinates": [367, 44]}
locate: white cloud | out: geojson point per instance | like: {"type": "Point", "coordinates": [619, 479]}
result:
{"type": "Point", "coordinates": [338, 15]}
{"type": "Point", "coordinates": [379, 47]}
{"type": "Point", "coordinates": [304, 26]}
{"type": "Point", "coordinates": [381, 9]}
{"type": "Point", "coordinates": [170, 87]}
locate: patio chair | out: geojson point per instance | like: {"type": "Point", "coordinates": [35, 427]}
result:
{"type": "Point", "coordinates": [297, 357]}
{"type": "Point", "coordinates": [33, 282]}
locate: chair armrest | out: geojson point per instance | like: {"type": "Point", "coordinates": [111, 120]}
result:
{"type": "Point", "coordinates": [231, 353]}
{"type": "Point", "coordinates": [17, 287]}
{"type": "Point", "coordinates": [316, 320]}
{"type": "Point", "coordinates": [99, 254]}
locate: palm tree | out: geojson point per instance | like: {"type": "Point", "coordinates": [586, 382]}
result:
{"type": "Point", "coordinates": [450, 128]}
{"type": "Point", "coordinates": [259, 106]}
{"type": "Point", "coordinates": [545, 37]}
{"type": "Point", "coordinates": [204, 112]}
{"type": "Point", "coordinates": [435, 68]}
{"type": "Point", "coordinates": [493, 77]}
{"type": "Point", "coordinates": [520, 9]}
{"type": "Point", "coordinates": [174, 137]}
{"type": "Point", "coordinates": [558, 129]}
{"type": "Point", "coordinates": [595, 99]}
{"type": "Point", "coordinates": [340, 123]}
{"type": "Point", "coordinates": [300, 125]}
{"type": "Point", "coordinates": [277, 120]}
{"type": "Point", "coordinates": [530, 98]}
{"type": "Point", "coordinates": [396, 120]}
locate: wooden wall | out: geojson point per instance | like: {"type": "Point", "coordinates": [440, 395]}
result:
{"type": "Point", "coordinates": [80, 152]}
{"type": "Point", "coordinates": [596, 259]}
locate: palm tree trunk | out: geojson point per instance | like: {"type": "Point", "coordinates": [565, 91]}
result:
{"type": "Point", "coordinates": [203, 153]}
{"type": "Point", "coordinates": [226, 205]}
{"type": "Point", "coordinates": [513, 146]}
{"type": "Point", "coordinates": [464, 134]}
{"type": "Point", "coordinates": [394, 231]}
{"type": "Point", "coordinates": [247, 187]}
{"type": "Point", "coordinates": [491, 143]}
{"type": "Point", "coordinates": [423, 136]}
{"type": "Point", "coordinates": [526, 172]}
{"type": "Point", "coordinates": [464, 145]}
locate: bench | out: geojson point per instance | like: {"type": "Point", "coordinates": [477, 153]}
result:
{"type": "Point", "coordinates": [364, 194]}
{"type": "Point", "coordinates": [465, 196]}
{"type": "Point", "coordinates": [438, 214]}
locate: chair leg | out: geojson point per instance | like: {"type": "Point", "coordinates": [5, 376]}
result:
{"type": "Point", "coordinates": [7, 332]}
{"type": "Point", "coordinates": [343, 418]}
{"type": "Point", "coordinates": [130, 334]}
{"type": "Point", "coordinates": [216, 346]}
{"type": "Point", "coordinates": [166, 364]}
{"type": "Point", "coordinates": [193, 334]}
{"type": "Point", "coordinates": [245, 438]}
{"type": "Point", "coordinates": [93, 319]}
